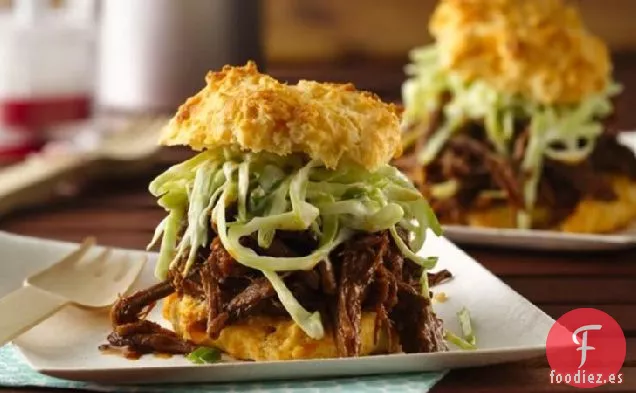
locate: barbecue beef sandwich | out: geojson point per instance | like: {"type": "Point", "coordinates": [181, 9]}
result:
{"type": "Point", "coordinates": [506, 120]}
{"type": "Point", "coordinates": [288, 236]}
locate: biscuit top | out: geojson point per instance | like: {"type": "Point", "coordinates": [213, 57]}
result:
{"type": "Point", "coordinates": [329, 122]}
{"type": "Point", "coordinates": [538, 49]}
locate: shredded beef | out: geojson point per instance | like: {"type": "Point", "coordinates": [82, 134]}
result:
{"type": "Point", "coordinates": [190, 284]}
{"type": "Point", "coordinates": [363, 275]}
{"type": "Point", "coordinates": [395, 262]}
{"type": "Point", "coordinates": [436, 119]}
{"type": "Point", "coordinates": [327, 277]}
{"type": "Point", "coordinates": [224, 306]}
{"type": "Point", "coordinates": [582, 178]}
{"type": "Point", "coordinates": [384, 290]}
{"type": "Point", "coordinates": [211, 275]}
{"type": "Point", "coordinates": [136, 332]}
{"type": "Point", "coordinates": [411, 273]}
{"type": "Point", "coordinates": [439, 277]}
{"type": "Point", "coordinates": [500, 168]}
{"type": "Point", "coordinates": [252, 297]}
{"type": "Point", "coordinates": [383, 323]}
{"type": "Point", "coordinates": [520, 145]}
{"type": "Point", "coordinates": [425, 130]}
{"type": "Point", "coordinates": [360, 258]}
{"type": "Point", "coordinates": [473, 163]}
{"type": "Point", "coordinates": [277, 248]}
{"type": "Point", "coordinates": [418, 327]}
{"type": "Point", "coordinates": [449, 210]}
{"type": "Point", "coordinates": [386, 287]}
{"type": "Point", "coordinates": [456, 163]}
{"type": "Point", "coordinates": [402, 268]}
{"type": "Point", "coordinates": [226, 265]}
{"type": "Point", "coordinates": [139, 335]}
{"type": "Point", "coordinates": [145, 337]}
{"type": "Point", "coordinates": [302, 242]}
{"type": "Point", "coordinates": [307, 278]}
{"type": "Point", "coordinates": [127, 309]}
{"type": "Point", "coordinates": [612, 157]}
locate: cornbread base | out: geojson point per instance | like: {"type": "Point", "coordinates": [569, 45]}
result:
{"type": "Point", "coordinates": [589, 216]}
{"type": "Point", "coordinates": [264, 338]}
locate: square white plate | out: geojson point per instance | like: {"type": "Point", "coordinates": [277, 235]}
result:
{"type": "Point", "coordinates": [508, 328]}
{"type": "Point", "coordinates": [541, 240]}
{"type": "Point", "coordinates": [547, 240]}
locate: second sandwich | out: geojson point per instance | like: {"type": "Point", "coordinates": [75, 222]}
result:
{"type": "Point", "coordinates": [288, 236]}
{"type": "Point", "coordinates": [507, 120]}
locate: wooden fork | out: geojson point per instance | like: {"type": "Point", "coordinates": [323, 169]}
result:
{"type": "Point", "coordinates": [89, 282]}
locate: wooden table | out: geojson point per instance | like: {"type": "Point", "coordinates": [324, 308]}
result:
{"type": "Point", "coordinates": [122, 213]}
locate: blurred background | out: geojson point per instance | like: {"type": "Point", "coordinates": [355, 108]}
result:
{"type": "Point", "coordinates": [76, 73]}
{"type": "Point", "coordinates": [367, 41]}
{"type": "Point", "coordinates": [85, 86]}
{"type": "Point", "coordinates": [66, 61]}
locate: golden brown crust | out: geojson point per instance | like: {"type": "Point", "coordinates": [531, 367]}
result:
{"type": "Point", "coordinates": [329, 122]}
{"type": "Point", "coordinates": [604, 217]}
{"type": "Point", "coordinates": [589, 216]}
{"type": "Point", "coordinates": [539, 49]}
{"type": "Point", "coordinates": [263, 338]}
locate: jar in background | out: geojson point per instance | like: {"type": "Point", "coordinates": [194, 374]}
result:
{"type": "Point", "coordinates": [47, 73]}
{"type": "Point", "coordinates": [153, 54]}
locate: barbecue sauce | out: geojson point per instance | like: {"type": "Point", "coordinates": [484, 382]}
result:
{"type": "Point", "coordinates": [125, 353]}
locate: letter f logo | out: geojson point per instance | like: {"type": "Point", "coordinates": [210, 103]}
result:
{"type": "Point", "coordinates": [584, 347]}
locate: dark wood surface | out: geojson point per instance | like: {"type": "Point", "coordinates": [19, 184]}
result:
{"type": "Point", "coordinates": [120, 212]}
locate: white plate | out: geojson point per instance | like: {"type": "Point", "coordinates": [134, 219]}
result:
{"type": "Point", "coordinates": [541, 240]}
{"type": "Point", "coordinates": [547, 240]}
{"type": "Point", "coordinates": [508, 328]}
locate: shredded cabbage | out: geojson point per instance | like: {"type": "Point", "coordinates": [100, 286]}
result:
{"type": "Point", "coordinates": [273, 193]}
{"type": "Point", "coordinates": [278, 205]}
{"type": "Point", "coordinates": [573, 128]}
{"type": "Point", "coordinates": [168, 242]}
{"type": "Point", "coordinates": [466, 325]}
{"type": "Point", "coordinates": [310, 322]}
{"type": "Point", "coordinates": [469, 340]}
{"type": "Point", "coordinates": [458, 341]}
{"type": "Point", "coordinates": [204, 355]}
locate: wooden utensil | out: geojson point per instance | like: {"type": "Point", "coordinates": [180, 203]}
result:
{"type": "Point", "coordinates": [89, 282]}
{"type": "Point", "coordinates": [37, 179]}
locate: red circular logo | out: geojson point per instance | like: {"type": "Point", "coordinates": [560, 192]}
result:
{"type": "Point", "coordinates": [586, 348]}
